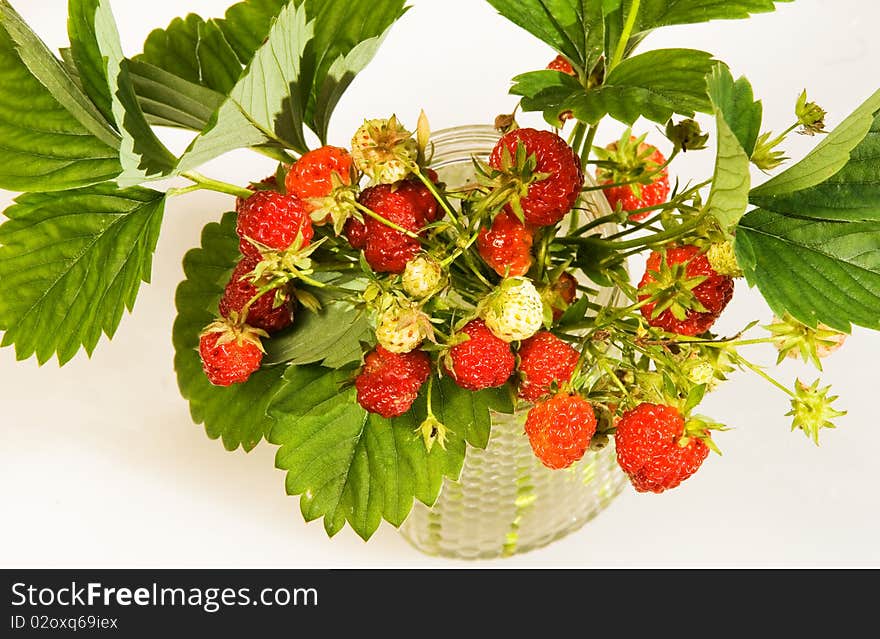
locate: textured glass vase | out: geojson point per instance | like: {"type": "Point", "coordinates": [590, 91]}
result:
{"type": "Point", "coordinates": [506, 502]}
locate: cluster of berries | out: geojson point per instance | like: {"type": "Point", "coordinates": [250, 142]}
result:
{"type": "Point", "coordinates": [380, 206]}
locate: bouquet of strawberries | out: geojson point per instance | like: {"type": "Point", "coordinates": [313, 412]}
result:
{"type": "Point", "coordinates": [369, 318]}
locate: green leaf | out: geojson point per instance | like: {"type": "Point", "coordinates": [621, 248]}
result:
{"type": "Point", "coordinates": [237, 415]}
{"type": "Point", "coordinates": [815, 252]}
{"type": "Point", "coordinates": [829, 157]}
{"type": "Point", "coordinates": [817, 271]}
{"type": "Point", "coordinates": [71, 263]}
{"type": "Point", "coordinates": [175, 48]}
{"type": "Point", "coordinates": [661, 13]}
{"type": "Point", "coordinates": [260, 107]}
{"type": "Point", "coordinates": [168, 100]}
{"type": "Point", "coordinates": [50, 73]}
{"type": "Point", "coordinates": [247, 25]}
{"type": "Point", "coordinates": [738, 119]}
{"type": "Point", "coordinates": [332, 337]}
{"type": "Point", "coordinates": [468, 413]}
{"type": "Point", "coordinates": [575, 28]}
{"type": "Point", "coordinates": [44, 148]}
{"type": "Point", "coordinates": [636, 89]}
{"type": "Point", "coordinates": [219, 64]}
{"type": "Point", "coordinates": [95, 42]}
{"type": "Point", "coordinates": [547, 92]}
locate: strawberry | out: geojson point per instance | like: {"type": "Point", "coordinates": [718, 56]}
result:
{"type": "Point", "coordinates": [479, 360]}
{"type": "Point", "coordinates": [402, 328]}
{"type": "Point", "coordinates": [269, 184]}
{"type": "Point", "coordinates": [555, 184]}
{"type": "Point", "coordinates": [561, 64]}
{"type": "Point", "coordinates": [389, 383]}
{"type": "Point", "coordinates": [409, 205]}
{"type": "Point", "coordinates": [546, 363]}
{"type": "Point", "coordinates": [560, 430]}
{"type": "Point", "coordinates": [311, 176]}
{"type": "Point", "coordinates": [514, 311]}
{"type": "Point", "coordinates": [423, 277]}
{"type": "Point", "coordinates": [384, 150]}
{"type": "Point", "coordinates": [230, 352]}
{"type": "Point", "coordinates": [655, 448]}
{"type": "Point", "coordinates": [507, 246]}
{"type": "Point", "coordinates": [689, 294]}
{"type": "Point", "coordinates": [637, 162]}
{"type": "Point", "coordinates": [271, 312]}
{"type": "Point", "coordinates": [274, 221]}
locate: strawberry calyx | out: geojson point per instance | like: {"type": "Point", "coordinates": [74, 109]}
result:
{"type": "Point", "coordinates": [508, 185]}
{"type": "Point", "coordinates": [384, 150]}
{"type": "Point", "coordinates": [278, 268]}
{"type": "Point", "coordinates": [672, 289]}
{"type": "Point", "coordinates": [339, 206]}
{"type": "Point", "coordinates": [811, 409]}
{"type": "Point", "coordinates": [796, 340]}
{"type": "Point", "coordinates": [628, 161]}
{"type": "Point", "coordinates": [700, 427]}
{"type": "Point", "coordinates": [233, 329]}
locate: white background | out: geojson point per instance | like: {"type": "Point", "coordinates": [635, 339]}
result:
{"type": "Point", "coordinates": [101, 465]}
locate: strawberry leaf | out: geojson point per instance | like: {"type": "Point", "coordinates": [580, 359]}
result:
{"type": "Point", "coordinates": [332, 337]}
{"type": "Point", "coordinates": [662, 13]}
{"type": "Point", "coordinates": [574, 28]}
{"type": "Point", "coordinates": [54, 138]}
{"type": "Point", "coordinates": [237, 415]}
{"type": "Point", "coordinates": [71, 263]}
{"type": "Point", "coordinates": [814, 252]}
{"type": "Point", "coordinates": [634, 88]}
{"type": "Point", "coordinates": [738, 119]}
{"type": "Point", "coordinates": [351, 466]}
{"type": "Point", "coordinates": [168, 100]}
{"type": "Point", "coordinates": [105, 75]}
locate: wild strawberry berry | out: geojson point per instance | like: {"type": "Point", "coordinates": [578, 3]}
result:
{"type": "Point", "coordinates": [507, 246]}
{"type": "Point", "coordinates": [561, 64]}
{"type": "Point", "coordinates": [690, 292]}
{"type": "Point", "coordinates": [423, 277]}
{"type": "Point", "coordinates": [480, 360]}
{"type": "Point", "coordinates": [637, 162]}
{"type": "Point", "coordinates": [560, 430]}
{"type": "Point", "coordinates": [546, 363]}
{"type": "Point", "coordinates": [269, 184]}
{"type": "Point", "coordinates": [390, 383]}
{"type": "Point", "coordinates": [312, 175]}
{"type": "Point", "coordinates": [655, 450]}
{"type": "Point", "coordinates": [402, 329]}
{"type": "Point", "coordinates": [557, 177]}
{"type": "Point", "coordinates": [405, 205]}
{"type": "Point", "coordinates": [274, 221]}
{"type": "Point", "coordinates": [514, 311]}
{"type": "Point", "coordinates": [230, 352]}
{"type": "Point", "coordinates": [384, 150]}
{"type": "Point", "coordinates": [271, 312]}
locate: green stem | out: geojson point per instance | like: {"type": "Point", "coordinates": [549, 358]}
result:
{"type": "Point", "coordinates": [657, 238]}
{"type": "Point", "coordinates": [620, 51]}
{"type": "Point", "coordinates": [370, 213]}
{"type": "Point", "coordinates": [759, 371]}
{"type": "Point", "coordinates": [207, 184]}
{"type": "Point", "coordinates": [588, 145]}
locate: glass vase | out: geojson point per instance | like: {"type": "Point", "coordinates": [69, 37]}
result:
{"type": "Point", "coordinates": [506, 502]}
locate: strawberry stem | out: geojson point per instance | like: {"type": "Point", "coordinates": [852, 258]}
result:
{"type": "Point", "coordinates": [620, 51]}
{"type": "Point", "coordinates": [203, 183]}
{"type": "Point", "coordinates": [370, 213]}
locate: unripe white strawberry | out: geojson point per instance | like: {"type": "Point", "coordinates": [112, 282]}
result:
{"type": "Point", "coordinates": [402, 330]}
{"type": "Point", "coordinates": [722, 258]}
{"type": "Point", "coordinates": [514, 311]}
{"type": "Point", "coordinates": [384, 150]}
{"type": "Point", "coordinates": [423, 277]}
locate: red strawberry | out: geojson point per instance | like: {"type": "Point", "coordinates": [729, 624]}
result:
{"type": "Point", "coordinates": [262, 313]}
{"type": "Point", "coordinates": [562, 65]}
{"type": "Point", "coordinates": [230, 353]}
{"type": "Point", "coordinates": [544, 361]}
{"type": "Point", "coordinates": [507, 246]}
{"type": "Point", "coordinates": [551, 198]}
{"type": "Point", "coordinates": [312, 175]}
{"type": "Point", "coordinates": [632, 159]}
{"type": "Point", "coordinates": [654, 450]}
{"type": "Point", "coordinates": [482, 360]}
{"type": "Point", "coordinates": [560, 430]}
{"type": "Point", "coordinates": [273, 220]}
{"type": "Point", "coordinates": [409, 205]}
{"type": "Point", "coordinates": [269, 184]}
{"type": "Point", "coordinates": [389, 383]}
{"type": "Point", "coordinates": [693, 293]}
